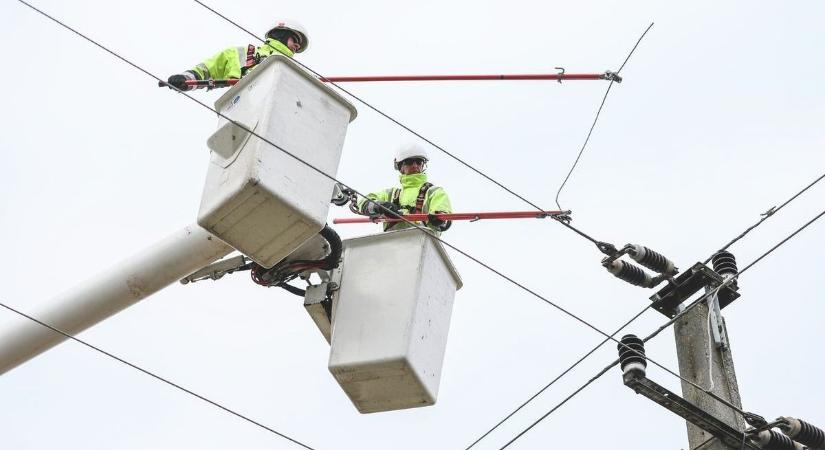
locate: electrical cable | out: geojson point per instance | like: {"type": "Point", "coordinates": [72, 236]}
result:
{"type": "Point", "coordinates": [670, 322]}
{"type": "Point", "coordinates": [765, 216]}
{"type": "Point", "coordinates": [663, 327]}
{"type": "Point", "coordinates": [565, 372]}
{"type": "Point", "coordinates": [415, 133]}
{"type": "Point", "coordinates": [412, 224]}
{"type": "Point", "coordinates": [157, 377]}
{"type": "Point", "coordinates": [467, 255]}
{"type": "Point", "coordinates": [330, 177]}
{"type": "Point", "coordinates": [596, 119]}
{"type": "Point", "coordinates": [319, 171]}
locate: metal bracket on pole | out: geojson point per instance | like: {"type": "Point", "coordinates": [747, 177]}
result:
{"type": "Point", "coordinates": [717, 327]}
{"type": "Point", "coordinates": [637, 381]}
{"type": "Point", "coordinates": [668, 299]}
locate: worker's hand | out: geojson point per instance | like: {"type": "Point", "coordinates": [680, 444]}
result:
{"type": "Point", "coordinates": [178, 81]}
{"type": "Point", "coordinates": [375, 209]}
{"type": "Point", "coordinates": [388, 209]}
{"type": "Point", "coordinates": [434, 221]}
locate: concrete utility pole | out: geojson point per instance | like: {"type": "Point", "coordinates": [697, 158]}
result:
{"type": "Point", "coordinates": [692, 346]}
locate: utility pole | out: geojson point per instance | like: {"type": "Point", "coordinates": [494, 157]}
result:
{"type": "Point", "coordinates": [704, 353]}
{"type": "Point", "coordinates": [710, 402]}
{"type": "Point", "coordinates": [705, 359]}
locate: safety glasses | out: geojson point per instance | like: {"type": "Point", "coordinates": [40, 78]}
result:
{"type": "Point", "coordinates": [411, 161]}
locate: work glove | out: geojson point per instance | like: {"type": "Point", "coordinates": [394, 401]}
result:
{"type": "Point", "coordinates": [375, 209]}
{"type": "Point", "coordinates": [178, 81]}
{"type": "Point", "coordinates": [439, 224]}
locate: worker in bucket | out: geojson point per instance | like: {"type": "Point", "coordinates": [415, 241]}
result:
{"type": "Point", "coordinates": [415, 196]}
{"type": "Point", "coordinates": [287, 37]}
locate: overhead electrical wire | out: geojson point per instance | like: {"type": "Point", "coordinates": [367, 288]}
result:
{"type": "Point", "coordinates": [330, 177]}
{"type": "Point", "coordinates": [417, 134]}
{"type": "Point", "coordinates": [593, 350]}
{"type": "Point", "coordinates": [488, 267]}
{"type": "Point", "coordinates": [765, 215]}
{"type": "Point", "coordinates": [596, 119]}
{"type": "Point", "coordinates": [563, 310]}
{"type": "Point", "coordinates": [696, 302]}
{"type": "Point", "coordinates": [472, 258]}
{"type": "Point", "coordinates": [609, 337]}
{"type": "Point", "coordinates": [157, 377]}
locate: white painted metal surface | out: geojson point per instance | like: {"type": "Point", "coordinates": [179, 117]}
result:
{"type": "Point", "coordinates": [257, 198]}
{"type": "Point", "coordinates": [391, 318]}
{"type": "Point", "coordinates": [97, 299]}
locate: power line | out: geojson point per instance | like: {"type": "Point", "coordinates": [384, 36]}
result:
{"type": "Point", "coordinates": [153, 375]}
{"type": "Point", "coordinates": [565, 372]}
{"type": "Point", "coordinates": [765, 215]}
{"type": "Point", "coordinates": [670, 322]}
{"type": "Point", "coordinates": [467, 255]}
{"type": "Point", "coordinates": [604, 99]}
{"type": "Point", "coordinates": [593, 350]}
{"type": "Point", "coordinates": [330, 177]}
{"type": "Point", "coordinates": [413, 132]}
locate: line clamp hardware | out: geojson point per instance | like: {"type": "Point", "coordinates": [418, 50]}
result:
{"type": "Point", "coordinates": [612, 76]}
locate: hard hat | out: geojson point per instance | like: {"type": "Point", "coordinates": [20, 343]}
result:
{"type": "Point", "coordinates": [409, 151]}
{"type": "Point", "coordinates": [295, 27]}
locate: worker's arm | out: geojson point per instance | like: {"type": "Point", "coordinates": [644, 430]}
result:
{"type": "Point", "coordinates": [380, 200]}
{"type": "Point", "coordinates": [438, 202]}
{"type": "Point", "coordinates": [224, 65]}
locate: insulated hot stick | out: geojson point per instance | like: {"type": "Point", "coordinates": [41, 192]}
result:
{"type": "Point", "coordinates": [610, 76]}
{"type": "Point", "coordinates": [472, 216]}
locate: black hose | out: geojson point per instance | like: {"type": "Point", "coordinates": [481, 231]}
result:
{"type": "Point", "coordinates": [292, 289]}
{"type": "Point", "coordinates": [335, 248]}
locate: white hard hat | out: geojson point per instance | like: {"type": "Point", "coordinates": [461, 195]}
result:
{"type": "Point", "coordinates": [409, 151]}
{"type": "Point", "coordinates": [295, 27]}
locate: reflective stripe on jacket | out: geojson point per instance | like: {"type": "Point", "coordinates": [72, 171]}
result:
{"type": "Point", "coordinates": [436, 199]}
{"type": "Point", "coordinates": [232, 62]}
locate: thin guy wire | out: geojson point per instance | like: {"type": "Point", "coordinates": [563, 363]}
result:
{"type": "Point", "coordinates": [330, 177]}
{"type": "Point", "coordinates": [604, 99]}
{"type": "Point", "coordinates": [157, 377]}
{"type": "Point", "coordinates": [668, 323]}
{"type": "Point", "coordinates": [765, 217]}
{"type": "Point", "coordinates": [663, 327]}
{"type": "Point", "coordinates": [565, 372]}
{"type": "Point", "coordinates": [408, 129]}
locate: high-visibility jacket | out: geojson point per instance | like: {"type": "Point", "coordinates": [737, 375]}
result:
{"type": "Point", "coordinates": [435, 200]}
{"type": "Point", "coordinates": [235, 62]}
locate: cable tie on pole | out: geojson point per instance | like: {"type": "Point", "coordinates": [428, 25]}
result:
{"type": "Point", "coordinates": [561, 73]}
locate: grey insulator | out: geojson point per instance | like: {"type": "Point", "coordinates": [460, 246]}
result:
{"type": "Point", "coordinates": [803, 432]}
{"type": "Point", "coordinates": [652, 260]}
{"type": "Point", "coordinates": [773, 440]}
{"type": "Point", "coordinates": [630, 273]}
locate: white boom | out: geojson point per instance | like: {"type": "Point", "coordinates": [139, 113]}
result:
{"type": "Point", "coordinates": [125, 284]}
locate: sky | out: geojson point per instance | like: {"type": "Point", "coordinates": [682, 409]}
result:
{"type": "Point", "coordinates": [718, 119]}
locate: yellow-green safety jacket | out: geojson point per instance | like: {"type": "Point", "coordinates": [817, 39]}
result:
{"type": "Point", "coordinates": [235, 62]}
{"type": "Point", "coordinates": [435, 200]}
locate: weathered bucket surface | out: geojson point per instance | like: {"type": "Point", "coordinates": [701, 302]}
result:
{"type": "Point", "coordinates": [258, 199]}
{"type": "Point", "coordinates": [391, 319]}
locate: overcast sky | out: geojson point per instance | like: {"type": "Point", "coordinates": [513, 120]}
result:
{"type": "Point", "coordinates": [719, 118]}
